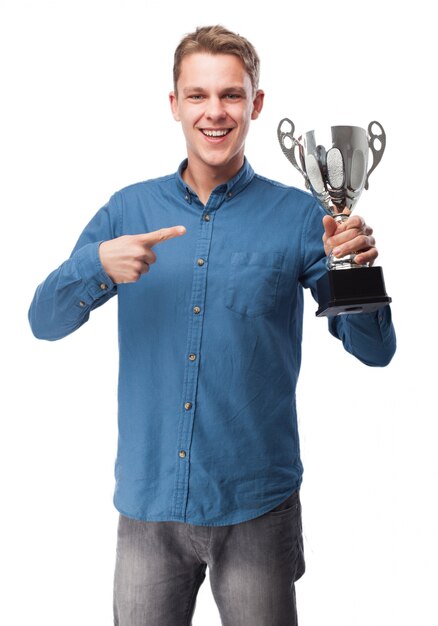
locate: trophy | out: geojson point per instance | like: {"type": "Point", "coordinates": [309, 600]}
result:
{"type": "Point", "coordinates": [335, 170]}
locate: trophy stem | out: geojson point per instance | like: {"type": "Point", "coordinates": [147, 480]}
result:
{"type": "Point", "coordinates": [346, 262]}
{"type": "Point", "coordinates": [341, 217]}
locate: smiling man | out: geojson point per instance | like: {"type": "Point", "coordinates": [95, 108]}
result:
{"type": "Point", "coordinates": [208, 466]}
{"type": "Point", "coordinates": [215, 101]}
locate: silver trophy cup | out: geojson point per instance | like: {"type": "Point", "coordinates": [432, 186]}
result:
{"type": "Point", "coordinates": [335, 169]}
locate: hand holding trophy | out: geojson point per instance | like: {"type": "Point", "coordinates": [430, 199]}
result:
{"type": "Point", "coordinates": [336, 174]}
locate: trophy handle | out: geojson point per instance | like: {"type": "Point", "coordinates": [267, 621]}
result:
{"type": "Point", "coordinates": [289, 151]}
{"type": "Point", "coordinates": [374, 138]}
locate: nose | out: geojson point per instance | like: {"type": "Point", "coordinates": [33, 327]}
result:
{"type": "Point", "coordinates": [215, 109]}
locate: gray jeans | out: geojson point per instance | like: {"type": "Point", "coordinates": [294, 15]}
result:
{"type": "Point", "coordinates": [252, 568]}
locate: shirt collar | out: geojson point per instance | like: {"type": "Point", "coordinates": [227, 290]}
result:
{"type": "Point", "coordinates": [231, 188]}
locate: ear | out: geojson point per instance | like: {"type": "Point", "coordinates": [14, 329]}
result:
{"type": "Point", "coordinates": [174, 105]}
{"type": "Point", "coordinates": [257, 104]}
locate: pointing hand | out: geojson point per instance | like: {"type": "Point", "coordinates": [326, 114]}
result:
{"type": "Point", "coordinates": [126, 258]}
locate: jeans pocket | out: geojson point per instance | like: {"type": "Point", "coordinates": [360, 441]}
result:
{"type": "Point", "coordinates": [253, 282]}
{"type": "Point", "coordinates": [290, 505]}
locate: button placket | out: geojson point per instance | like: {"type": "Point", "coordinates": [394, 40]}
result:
{"type": "Point", "coordinates": [193, 359]}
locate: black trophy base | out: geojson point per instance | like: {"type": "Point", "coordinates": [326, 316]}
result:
{"type": "Point", "coordinates": [356, 290]}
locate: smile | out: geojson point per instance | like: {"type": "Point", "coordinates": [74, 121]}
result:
{"type": "Point", "coordinates": [216, 133]}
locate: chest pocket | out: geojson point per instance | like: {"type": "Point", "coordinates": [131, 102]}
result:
{"type": "Point", "coordinates": [253, 282]}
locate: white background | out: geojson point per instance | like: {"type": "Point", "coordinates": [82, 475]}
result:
{"type": "Point", "coordinates": [84, 112]}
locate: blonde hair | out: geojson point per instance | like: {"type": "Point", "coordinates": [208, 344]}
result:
{"type": "Point", "coordinates": [218, 40]}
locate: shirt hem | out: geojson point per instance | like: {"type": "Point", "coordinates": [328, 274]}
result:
{"type": "Point", "coordinates": [225, 522]}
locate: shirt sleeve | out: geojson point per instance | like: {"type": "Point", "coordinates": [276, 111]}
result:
{"type": "Point", "coordinates": [63, 302]}
{"type": "Point", "coordinates": [370, 337]}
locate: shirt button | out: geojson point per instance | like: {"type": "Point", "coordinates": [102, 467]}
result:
{"type": "Point", "coordinates": [188, 406]}
{"type": "Point", "coordinates": [229, 194]}
{"type": "Point", "coordinates": [103, 286]}
{"type": "Point", "coordinates": [81, 303]}
{"type": "Point", "coordinates": [182, 454]}
{"type": "Point", "coordinates": [196, 309]}
{"type": "Point", "coordinates": [200, 262]}
{"type": "Point", "coordinates": [206, 217]}
{"type": "Point", "coordinates": [192, 357]}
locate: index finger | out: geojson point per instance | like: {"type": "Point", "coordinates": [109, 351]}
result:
{"type": "Point", "coordinates": [163, 234]}
{"type": "Point", "coordinates": [354, 221]}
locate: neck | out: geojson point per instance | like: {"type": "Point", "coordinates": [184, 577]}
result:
{"type": "Point", "coordinates": [204, 179]}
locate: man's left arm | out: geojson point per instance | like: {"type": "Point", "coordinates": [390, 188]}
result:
{"type": "Point", "coordinates": [370, 337]}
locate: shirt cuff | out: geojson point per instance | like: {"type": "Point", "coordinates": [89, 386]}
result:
{"type": "Point", "coordinates": [96, 281]}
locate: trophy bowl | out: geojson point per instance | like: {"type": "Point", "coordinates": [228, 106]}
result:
{"type": "Point", "coordinates": [334, 165]}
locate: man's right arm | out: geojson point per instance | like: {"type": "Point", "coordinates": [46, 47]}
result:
{"type": "Point", "coordinates": [63, 302]}
{"type": "Point", "coordinates": [100, 260]}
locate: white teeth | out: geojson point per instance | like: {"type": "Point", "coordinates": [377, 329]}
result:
{"type": "Point", "coordinates": [215, 133]}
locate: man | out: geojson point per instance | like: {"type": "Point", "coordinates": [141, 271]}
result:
{"type": "Point", "coordinates": [208, 466]}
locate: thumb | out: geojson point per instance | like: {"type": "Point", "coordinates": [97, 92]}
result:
{"type": "Point", "coordinates": [330, 226]}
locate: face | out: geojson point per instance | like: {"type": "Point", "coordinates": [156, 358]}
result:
{"type": "Point", "coordinates": [215, 104]}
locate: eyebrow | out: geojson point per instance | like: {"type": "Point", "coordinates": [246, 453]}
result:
{"type": "Point", "coordinates": [240, 90]}
{"type": "Point", "coordinates": [188, 90]}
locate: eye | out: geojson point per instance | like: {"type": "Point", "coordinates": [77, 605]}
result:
{"type": "Point", "coordinates": [196, 97]}
{"type": "Point", "coordinates": [233, 96]}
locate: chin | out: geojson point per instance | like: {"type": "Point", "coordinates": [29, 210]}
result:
{"type": "Point", "coordinates": [222, 160]}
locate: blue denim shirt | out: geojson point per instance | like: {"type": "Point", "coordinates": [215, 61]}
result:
{"type": "Point", "coordinates": [210, 343]}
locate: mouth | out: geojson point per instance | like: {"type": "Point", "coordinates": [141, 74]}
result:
{"type": "Point", "coordinates": [219, 132]}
